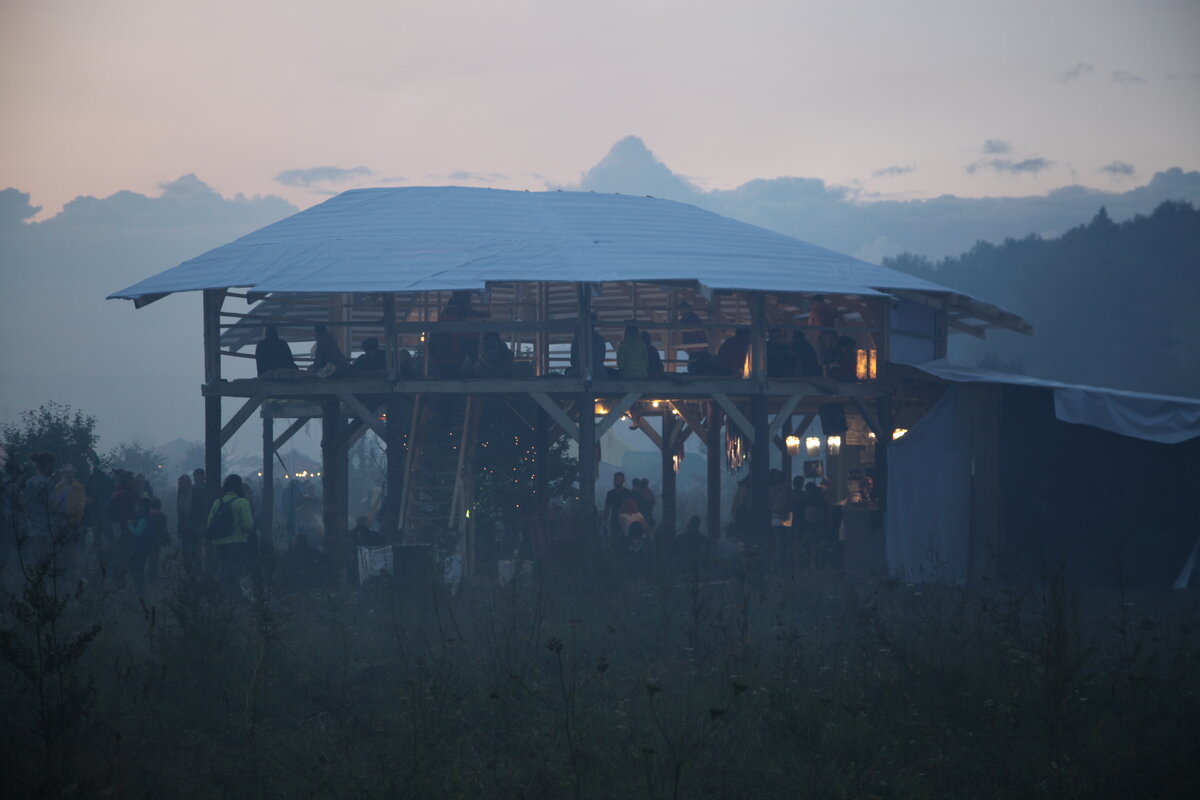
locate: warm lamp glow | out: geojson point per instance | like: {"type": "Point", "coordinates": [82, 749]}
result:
{"type": "Point", "coordinates": [834, 443]}
{"type": "Point", "coordinates": [864, 368]}
{"type": "Point", "coordinates": [600, 409]}
{"type": "Point", "coordinates": [654, 404]}
{"type": "Point", "coordinates": [899, 433]}
{"type": "Point", "coordinates": [793, 445]}
{"type": "Point", "coordinates": [812, 446]}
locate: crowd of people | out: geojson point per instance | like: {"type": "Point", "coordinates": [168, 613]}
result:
{"type": "Point", "coordinates": [463, 354]}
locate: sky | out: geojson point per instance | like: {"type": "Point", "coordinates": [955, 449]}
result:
{"type": "Point", "coordinates": [135, 135]}
{"type": "Point", "coordinates": [296, 98]}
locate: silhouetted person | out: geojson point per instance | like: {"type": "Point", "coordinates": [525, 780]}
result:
{"type": "Point", "coordinates": [493, 359]}
{"type": "Point", "coordinates": [731, 358]}
{"type": "Point", "coordinates": [632, 359]}
{"type": "Point", "coordinates": [272, 352]}
{"type": "Point", "coordinates": [654, 362]}
{"type": "Point", "coordinates": [807, 363]}
{"type": "Point", "coordinates": [327, 356]}
{"type": "Point", "coordinates": [691, 549]}
{"type": "Point", "coordinates": [781, 361]}
{"type": "Point", "coordinates": [688, 316]}
{"type": "Point", "coordinates": [821, 313]}
{"type": "Point", "coordinates": [613, 501]}
{"type": "Point", "coordinates": [372, 357]}
{"type": "Point", "coordinates": [231, 543]}
{"type": "Point", "coordinates": [599, 348]}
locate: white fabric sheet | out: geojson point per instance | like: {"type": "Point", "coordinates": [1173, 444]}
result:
{"type": "Point", "coordinates": [1153, 417]}
{"type": "Point", "coordinates": [927, 530]}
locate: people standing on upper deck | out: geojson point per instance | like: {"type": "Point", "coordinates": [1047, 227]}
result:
{"type": "Point", "coordinates": [599, 348]}
{"type": "Point", "coordinates": [327, 356]}
{"type": "Point", "coordinates": [781, 361]}
{"type": "Point", "coordinates": [449, 352]}
{"type": "Point", "coordinates": [731, 357]}
{"type": "Point", "coordinates": [272, 353]}
{"type": "Point", "coordinates": [632, 359]}
{"type": "Point", "coordinates": [808, 365]}
{"type": "Point", "coordinates": [822, 313]}
{"type": "Point", "coordinates": [372, 359]}
{"type": "Point", "coordinates": [493, 359]}
{"type": "Point", "coordinates": [654, 362]}
{"type": "Point", "coordinates": [688, 317]}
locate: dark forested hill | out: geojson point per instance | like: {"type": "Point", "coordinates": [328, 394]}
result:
{"type": "Point", "coordinates": [1112, 304]}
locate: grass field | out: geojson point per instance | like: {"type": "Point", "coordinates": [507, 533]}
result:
{"type": "Point", "coordinates": [584, 685]}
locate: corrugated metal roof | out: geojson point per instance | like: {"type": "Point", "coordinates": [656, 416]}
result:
{"type": "Point", "coordinates": [447, 238]}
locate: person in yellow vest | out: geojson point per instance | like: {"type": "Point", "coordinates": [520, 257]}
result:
{"type": "Point", "coordinates": [230, 535]}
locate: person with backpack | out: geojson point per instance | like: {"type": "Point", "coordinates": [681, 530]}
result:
{"type": "Point", "coordinates": [229, 531]}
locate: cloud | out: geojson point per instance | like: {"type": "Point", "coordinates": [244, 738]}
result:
{"type": "Point", "coordinates": [1121, 76]}
{"type": "Point", "coordinates": [1029, 166]}
{"type": "Point", "coordinates": [185, 201]}
{"type": "Point", "coordinates": [1077, 71]}
{"type": "Point", "coordinates": [843, 219]}
{"type": "Point", "coordinates": [891, 172]}
{"type": "Point", "coordinates": [630, 168]}
{"type": "Point", "coordinates": [1118, 169]}
{"type": "Point", "coordinates": [478, 177]}
{"type": "Point", "coordinates": [996, 147]}
{"type": "Point", "coordinates": [15, 208]}
{"type": "Point", "coordinates": [310, 177]}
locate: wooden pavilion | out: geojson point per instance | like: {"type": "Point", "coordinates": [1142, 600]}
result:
{"type": "Point", "coordinates": [544, 271]}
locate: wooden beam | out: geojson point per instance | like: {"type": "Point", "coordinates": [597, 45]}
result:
{"type": "Point", "coordinates": [715, 454]}
{"type": "Point", "coordinates": [267, 510]}
{"type": "Point", "coordinates": [235, 422]}
{"type": "Point", "coordinates": [560, 417]}
{"type": "Point", "coordinates": [365, 414]}
{"type": "Point", "coordinates": [586, 436]}
{"type": "Point", "coordinates": [689, 416]}
{"type": "Point", "coordinates": [978, 331]}
{"type": "Point", "coordinates": [872, 421]}
{"type": "Point", "coordinates": [213, 298]}
{"type": "Point", "coordinates": [760, 469]}
{"type": "Point", "coordinates": [736, 415]}
{"type": "Point", "coordinates": [289, 432]}
{"type": "Point", "coordinates": [644, 426]}
{"type": "Point", "coordinates": [615, 413]}
{"type": "Point", "coordinates": [785, 413]}
{"type": "Point", "coordinates": [670, 427]}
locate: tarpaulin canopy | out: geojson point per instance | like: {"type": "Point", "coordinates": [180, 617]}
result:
{"type": "Point", "coordinates": [1154, 417]}
{"type": "Point", "coordinates": [448, 238]}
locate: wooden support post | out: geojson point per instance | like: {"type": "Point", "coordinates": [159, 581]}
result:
{"type": "Point", "coordinates": [585, 334]}
{"type": "Point", "coordinates": [587, 460]}
{"type": "Point", "coordinates": [760, 469]}
{"type": "Point", "coordinates": [213, 299]}
{"type": "Point", "coordinates": [541, 462]}
{"type": "Point", "coordinates": [334, 475]}
{"type": "Point", "coordinates": [667, 491]}
{"type": "Point", "coordinates": [266, 513]}
{"type": "Point", "coordinates": [786, 459]}
{"type": "Point", "coordinates": [758, 338]}
{"type": "Point", "coordinates": [712, 441]}
{"type": "Point", "coordinates": [883, 441]}
{"type": "Point", "coordinates": [389, 515]}
{"type": "Point", "coordinates": [390, 347]}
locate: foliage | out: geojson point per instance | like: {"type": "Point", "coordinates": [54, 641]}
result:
{"type": "Point", "coordinates": [1111, 304]}
{"type": "Point", "coordinates": [577, 685]}
{"type": "Point", "coordinates": [137, 458]}
{"type": "Point", "coordinates": [505, 460]}
{"type": "Point", "coordinates": [55, 428]}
